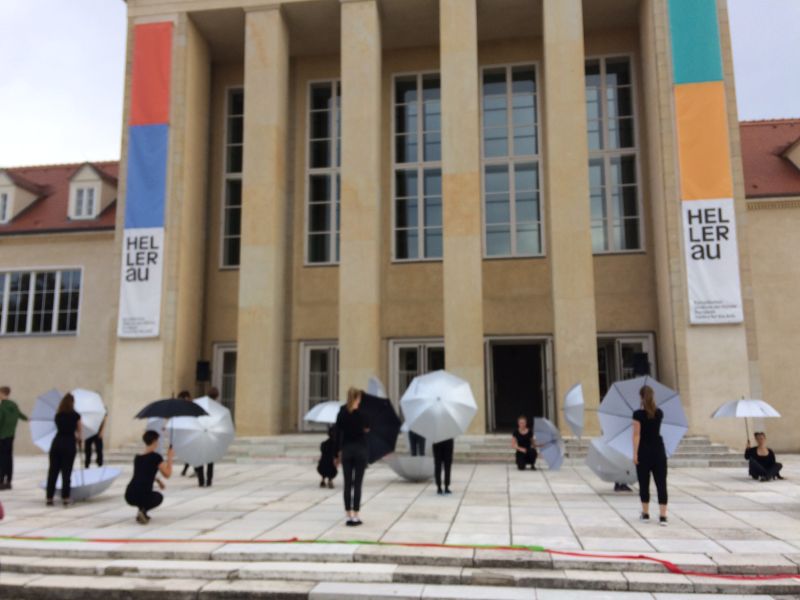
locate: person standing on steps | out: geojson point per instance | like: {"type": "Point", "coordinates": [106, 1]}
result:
{"type": "Point", "coordinates": [204, 476]}
{"type": "Point", "coordinates": [10, 414]}
{"type": "Point", "coordinates": [63, 449]}
{"type": "Point", "coordinates": [353, 453]}
{"type": "Point", "coordinates": [649, 454]}
{"type": "Point", "coordinates": [146, 466]}
{"type": "Point", "coordinates": [523, 442]}
{"type": "Point", "coordinates": [97, 441]}
{"type": "Point", "coordinates": [442, 462]}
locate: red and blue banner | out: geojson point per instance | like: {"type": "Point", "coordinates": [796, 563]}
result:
{"type": "Point", "coordinates": [706, 180]}
{"type": "Point", "coordinates": [146, 182]}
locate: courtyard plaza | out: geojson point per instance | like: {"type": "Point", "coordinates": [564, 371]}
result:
{"type": "Point", "coordinates": [721, 521]}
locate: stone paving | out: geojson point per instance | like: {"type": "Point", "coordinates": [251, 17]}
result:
{"type": "Point", "coordinates": [712, 511]}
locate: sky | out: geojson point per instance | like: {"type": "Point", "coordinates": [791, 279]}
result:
{"type": "Point", "coordinates": [62, 67]}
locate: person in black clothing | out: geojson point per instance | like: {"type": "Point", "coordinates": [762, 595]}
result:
{"type": "Point", "coordinates": [204, 476]}
{"type": "Point", "coordinates": [522, 441]}
{"type": "Point", "coordinates": [146, 466]}
{"type": "Point", "coordinates": [353, 453]}
{"type": "Point", "coordinates": [416, 444]}
{"type": "Point", "coordinates": [97, 441]}
{"type": "Point", "coordinates": [185, 395]}
{"type": "Point", "coordinates": [443, 461]}
{"type": "Point", "coordinates": [762, 463]}
{"type": "Point", "coordinates": [63, 449]}
{"type": "Point", "coordinates": [326, 466]}
{"type": "Point", "coordinates": [649, 454]}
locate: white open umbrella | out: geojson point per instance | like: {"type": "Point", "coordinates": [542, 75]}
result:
{"type": "Point", "coordinates": [548, 438]}
{"type": "Point", "coordinates": [87, 483]}
{"type": "Point", "coordinates": [574, 409]}
{"type": "Point", "coordinates": [610, 465]}
{"type": "Point", "coordinates": [745, 408]}
{"type": "Point", "coordinates": [202, 440]}
{"type": "Point", "coordinates": [411, 468]}
{"type": "Point", "coordinates": [616, 414]}
{"type": "Point", "coordinates": [324, 412]}
{"type": "Point", "coordinates": [89, 405]}
{"type": "Point", "coordinates": [375, 388]}
{"type": "Point", "coordinates": [42, 420]}
{"type": "Point", "coordinates": [438, 406]}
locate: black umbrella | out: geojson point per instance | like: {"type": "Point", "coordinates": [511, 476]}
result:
{"type": "Point", "coordinates": [171, 407]}
{"type": "Point", "coordinates": [384, 425]}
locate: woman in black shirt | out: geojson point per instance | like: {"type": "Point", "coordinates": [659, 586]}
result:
{"type": "Point", "coordinates": [649, 454]}
{"type": "Point", "coordinates": [63, 449]}
{"type": "Point", "coordinates": [351, 429]}
{"type": "Point", "coordinates": [146, 466]}
{"type": "Point", "coordinates": [522, 441]}
{"type": "Point", "coordinates": [762, 463]}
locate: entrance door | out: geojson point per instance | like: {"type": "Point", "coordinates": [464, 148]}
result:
{"type": "Point", "coordinates": [518, 382]}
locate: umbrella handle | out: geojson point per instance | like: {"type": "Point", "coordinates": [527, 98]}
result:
{"type": "Point", "coordinates": [747, 429]}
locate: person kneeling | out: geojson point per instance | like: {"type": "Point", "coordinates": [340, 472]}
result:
{"type": "Point", "coordinates": [523, 442]}
{"type": "Point", "coordinates": [146, 466]}
{"type": "Point", "coordinates": [762, 463]}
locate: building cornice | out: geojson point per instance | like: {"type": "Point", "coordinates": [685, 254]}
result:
{"type": "Point", "coordinates": [773, 203]}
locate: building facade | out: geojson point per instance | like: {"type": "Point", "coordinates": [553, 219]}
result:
{"type": "Point", "coordinates": [317, 191]}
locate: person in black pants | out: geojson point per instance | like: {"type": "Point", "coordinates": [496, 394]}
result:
{"type": "Point", "coordinates": [97, 441]}
{"type": "Point", "coordinates": [10, 414]}
{"type": "Point", "coordinates": [522, 441]}
{"type": "Point", "coordinates": [63, 449]}
{"type": "Point", "coordinates": [416, 443]}
{"type": "Point", "coordinates": [204, 477]}
{"type": "Point", "coordinates": [442, 461]}
{"type": "Point", "coordinates": [649, 454]}
{"type": "Point", "coordinates": [761, 459]}
{"type": "Point", "coordinates": [326, 466]}
{"type": "Point", "coordinates": [146, 466]}
{"type": "Point", "coordinates": [352, 428]}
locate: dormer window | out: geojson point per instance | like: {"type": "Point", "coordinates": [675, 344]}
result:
{"type": "Point", "coordinates": [84, 205]}
{"type": "Point", "coordinates": [4, 208]}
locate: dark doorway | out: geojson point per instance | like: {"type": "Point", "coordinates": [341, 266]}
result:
{"type": "Point", "coordinates": [518, 386]}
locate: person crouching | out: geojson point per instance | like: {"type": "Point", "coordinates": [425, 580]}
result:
{"type": "Point", "coordinates": [761, 459]}
{"type": "Point", "coordinates": [146, 466]}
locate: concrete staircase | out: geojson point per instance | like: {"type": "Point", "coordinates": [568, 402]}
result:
{"type": "Point", "coordinates": [215, 571]}
{"type": "Point", "coordinates": [694, 451]}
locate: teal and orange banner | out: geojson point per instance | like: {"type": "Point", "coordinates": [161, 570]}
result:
{"type": "Point", "coordinates": [704, 159]}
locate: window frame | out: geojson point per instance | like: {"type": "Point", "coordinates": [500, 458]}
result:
{"type": "Point", "coordinates": [512, 161]}
{"type": "Point", "coordinates": [305, 363]}
{"type": "Point", "coordinates": [85, 187]}
{"type": "Point", "coordinates": [226, 177]}
{"type": "Point", "coordinates": [606, 154]}
{"type": "Point", "coordinates": [646, 338]}
{"type": "Point", "coordinates": [419, 166]}
{"type": "Point", "coordinates": [5, 207]}
{"type": "Point", "coordinates": [335, 172]}
{"type": "Point", "coordinates": [219, 349]}
{"type": "Point", "coordinates": [33, 272]}
{"type": "Point", "coordinates": [397, 344]}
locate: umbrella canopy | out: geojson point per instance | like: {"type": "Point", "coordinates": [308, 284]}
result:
{"type": "Point", "coordinates": [89, 405]}
{"type": "Point", "coordinates": [548, 438]}
{"type": "Point", "coordinates": [744, 408]}
{"type": "Point", "coordinates": [87, 483]}
{"type": "Point", "coordinates": [411, 468]}
{"type": "Point", "coordinates": [42, 419]}
{"type": "Point", "coordinates": [616, 414]}
{"type": "Point", "coordinates": [171, 407]}
{"type": "Point", "coordinates": [384, 425]}
{"type": "Point", "coordinates": [438, 406]}
{"type": "Point", "coordinates": [375, 388]}
{"type": "Point", "coordinates": [610, 465]}
{"type": "Point", "coordinates": [324, 412]}
{"type": "Point", "coordinates": [574, 409]}
{"type": "Point", "coordinates": [202, 440]}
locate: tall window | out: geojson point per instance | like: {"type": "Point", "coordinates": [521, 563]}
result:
{"type": "Point", "coordinates": [224, 374]}
{"type": "Point", "coordinates": [84, 203]}
{"type": "Point", "coordinates": [39, 302]}
{"type": "Point", "coordinates": [3, 207]}
{"type": "Point", "coordinates": [624, 357]}
{"type": "Point", "coordinates": [614, 189]}
{"type": "Point", "coordinates": [412, 358]}
{"type": "Point", "coordinates": [324, 152]}
{"type": "Point", "coordinates": [232, 198]}
{"type": "Point", "coordinates": [320, 373]}
{"type": "Point", "coordinates": [417, 167]}
{"type": "Point", "coordinates": [512, 210]}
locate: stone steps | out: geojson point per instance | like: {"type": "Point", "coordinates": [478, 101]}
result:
{"type": "Point", "coordinates": [494, 574]}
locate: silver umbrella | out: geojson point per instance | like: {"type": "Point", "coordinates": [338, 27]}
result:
{"type": "Point", "coordinates": [42, 421]}
{"type": "Point", "coordinates": [89, 405]}
{"type": "Point", "coordinates": [574, 409]}
{"type": "Point", "coordinates": [87, 483]}
{"type": "Point", "coordinates": [610, 465]}
{"type": "Point", "coordinates": [411, 468]}
{"type": "Point", "coordinates": [324, 412]}
{"type": "Point", "coordinates": [548, 438]}
{"type": "Point", "coordinates": [202, 440]}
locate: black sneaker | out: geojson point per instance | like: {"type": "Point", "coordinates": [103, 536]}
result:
{"type": "Point", "coordinates": [662, 521]}
{"type": "Point", "coordinates": [644, 517]}
{"type": "Point", "coordinates": [439, 492]}
{"type": "Point", "coordinates": [624, 487]}
{"type": "Point", "coordinates": [351, 522]}
{"type": "Point", "coordinates": [356, 522]}
{"type": "Point", "coordinates": [447, 492]}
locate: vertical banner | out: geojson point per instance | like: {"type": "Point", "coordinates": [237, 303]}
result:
{"type": "Point", "coordinates": [146, 184]}
{"type": "Point", "coordinates": [706, 182]}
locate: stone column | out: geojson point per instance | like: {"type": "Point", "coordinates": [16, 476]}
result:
{"type": "Point", "coordinates": [261, 329]}
{"type": "Point", "coordinates": [359, 266]}
{"type": "Point", "coordinates": [566, 168]}
{"type": "Point", "coordinates": [461, 191]}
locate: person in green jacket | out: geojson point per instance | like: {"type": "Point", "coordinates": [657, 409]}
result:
{"type": "Point", "coordinates": [10, 414]}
